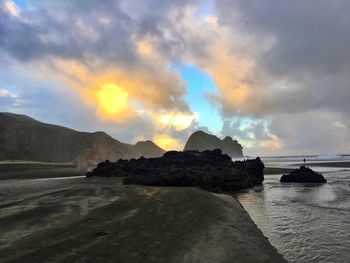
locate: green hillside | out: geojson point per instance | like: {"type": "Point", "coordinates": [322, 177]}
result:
{"type": "Point", "coordinates": [23, 138]}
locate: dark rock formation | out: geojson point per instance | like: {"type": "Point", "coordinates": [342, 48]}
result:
{"type": "Point", "coordinates": [209, 170]}
{"type": "Point", "coordinates": [201, 141]}
{"type": "Point", "coordinates": [303, 175]}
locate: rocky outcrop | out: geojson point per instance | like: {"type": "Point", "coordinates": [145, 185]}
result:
{"type": "Point", "coordinates": [201, 141]}
{"type": "Point", "coordinates": [146, 149]}
{"type": "Point", "coordinates": [209, 170]}
{"type": "Point", "coordinates": [303, 175]}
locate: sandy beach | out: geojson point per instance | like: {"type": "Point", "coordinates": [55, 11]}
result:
{"type": "Point", "coordinates": [277, 170]}
{"type": "Point", "coordinates": [101, 220]}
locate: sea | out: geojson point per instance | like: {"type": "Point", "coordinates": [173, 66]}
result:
{"type": "Point", "coordinates": [305, 222]}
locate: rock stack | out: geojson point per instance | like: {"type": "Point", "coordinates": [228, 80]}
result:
{"type": "Point", "coordinates": [303, 175]}
{"type": "Point", "coordinates": [201, 141]}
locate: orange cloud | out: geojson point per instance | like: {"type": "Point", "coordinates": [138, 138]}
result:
{"type": "Point", "coordinates": [167, 142]}
{"type": "Point", "coordinates": [114, 92]}
{"type": "Point", "coordinates": [144, 47]}
{"type": "Point", "coordinates": [230, 68]}
{"type": "Point", "coordinates": [113, 103]}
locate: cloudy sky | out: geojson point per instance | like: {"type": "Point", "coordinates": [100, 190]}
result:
{"type": "Point", "coordinates": [273, 74]}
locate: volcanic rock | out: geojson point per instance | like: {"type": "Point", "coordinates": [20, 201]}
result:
{"type": "Point", "coordinates": [209, 170]}
{"type": "Point", "coordinates": [303, 175]}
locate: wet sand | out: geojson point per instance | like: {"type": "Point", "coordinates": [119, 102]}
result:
{"type": "Point", "coordinates": [102, 220]}
{"type": "Point", "coordinates": [277, 170]}
{"type": "Point", "coordinates": [32, 170]}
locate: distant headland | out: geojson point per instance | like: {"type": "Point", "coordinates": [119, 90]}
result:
{"type": "Point", "coordinates": [24, 138]}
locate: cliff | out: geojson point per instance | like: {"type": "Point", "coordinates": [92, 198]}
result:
{"type": "Point", "coordinates": [201, 141]}
{"type": "Point", "coordinates": [24, 138]}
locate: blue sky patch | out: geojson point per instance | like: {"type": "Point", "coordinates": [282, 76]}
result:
{"type": "Point", "coordinates": [198, 83]}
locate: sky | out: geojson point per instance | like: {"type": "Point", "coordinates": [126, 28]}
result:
{"type": "Point", "coordinates": [272, 74]}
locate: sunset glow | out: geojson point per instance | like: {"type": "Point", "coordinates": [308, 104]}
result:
{"type": "Point", "coordinates": [167, 142]}
{"type": "Point", "coordinates": [150, 70]}
{"type": "Point", "coordinates": [112, 98]}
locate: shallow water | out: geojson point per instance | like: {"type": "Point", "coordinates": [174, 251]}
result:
{"type": "Point", "coordinates": [306, 223]}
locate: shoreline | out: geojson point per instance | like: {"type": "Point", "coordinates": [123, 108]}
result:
{"type": "Point", "coordinates": [148, 224]}
{"type": "Point", "coordinates": [36, 170]}
{"type": "Point", "coordinates": [270, 170]}
{"type": "Point", "coordinates": [336, 164]}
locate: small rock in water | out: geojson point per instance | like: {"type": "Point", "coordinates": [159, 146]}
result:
{"type": "Point", "coordinates": [303, 175]}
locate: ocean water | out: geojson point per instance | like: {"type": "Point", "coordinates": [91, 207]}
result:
{"type": "Point", "coordinates": [305, 222]}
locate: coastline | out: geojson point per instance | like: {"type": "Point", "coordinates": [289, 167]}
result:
{"type": "Point", "coordinates": [338, 164]}
{"type": "Point", "coordinates": [148, 224]}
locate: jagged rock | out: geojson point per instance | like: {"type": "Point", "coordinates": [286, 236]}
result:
{"type": "Point", "coordinates": [201, 141]}
{"type": "Point", "coordinates": [209, 170]}
{"type": "Point", "coordinates": [303, 175]}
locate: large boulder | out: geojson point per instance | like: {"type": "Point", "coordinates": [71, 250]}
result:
{"type": "Point", "coordinates": [209, 170]}
{"type": "Point", "coordinates": [201, 141]}
{"type": "Point", "coordinates": [303, 175]}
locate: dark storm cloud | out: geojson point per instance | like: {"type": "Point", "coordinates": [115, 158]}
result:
{"type": "Point", "coordinates": [321, 132]}
{"type": "Point", "coordinates": [309, 52]}
{"type": "Point", "coordinates": [69, 30]}
{"type": "Point", "coordinates": [109, 28]}
{"type": "Point", "coordinates": [310, 35]}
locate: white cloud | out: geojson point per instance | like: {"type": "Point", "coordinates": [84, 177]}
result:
{"type": "Point", "coordinates": [11, 8]}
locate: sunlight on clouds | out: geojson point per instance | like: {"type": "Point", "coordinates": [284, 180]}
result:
{"type": "Point", "coordinates": [120, 95]}
{"type": "Point", "coordinates": [167, 142]}
{"type": "Point", "coordinates": [113, 103]}
{"type": "Point", "coordinates": [224, 62]}
{"type": "Point", "coordinates": [273, 143]}
{"type": "Point", "coordinates": [12, 8]}
{"type": "Point", "coordinates": [230, 74]}
{"type": "Point", "coordinates": [112, 98]}
{"type": "Point", "coordinates": [74, 70]}
{"type": "Point", "coordinates": [179, 121]}
{"type": "Point", "coordinates": [103, 91]}
{"type": "Point", "coordinates": [144, 47]}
